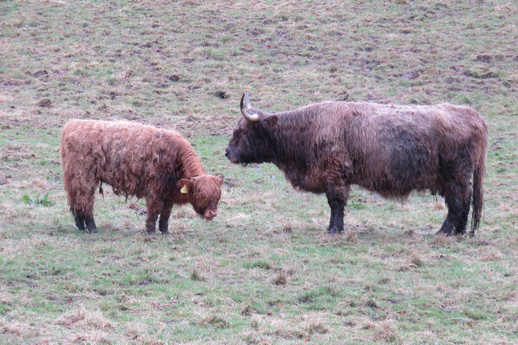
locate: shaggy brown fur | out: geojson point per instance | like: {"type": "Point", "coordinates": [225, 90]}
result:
{"type": "Point", "coordinates": [388, 149]}
{"type": "Point", "coordinates": [135, 159]}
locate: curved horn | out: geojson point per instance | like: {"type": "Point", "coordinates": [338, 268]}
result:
{"type": "Point", "coordinates": [246, 115]}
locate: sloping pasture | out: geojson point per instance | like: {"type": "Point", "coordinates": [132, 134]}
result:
{"type": "Point", "coordinates": [264, 271]}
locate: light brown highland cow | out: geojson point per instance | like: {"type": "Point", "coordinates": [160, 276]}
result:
{"type": "Point", "coordinates": [156, 164]}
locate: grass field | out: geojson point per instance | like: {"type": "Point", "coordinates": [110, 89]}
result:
{"type": "Point", "coordinates": [264, 271]}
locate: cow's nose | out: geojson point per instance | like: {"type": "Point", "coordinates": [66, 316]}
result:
{"type": "Point", "coordinates": [210, 214]}
{"type": "Point", "coordinates": [226, 153]}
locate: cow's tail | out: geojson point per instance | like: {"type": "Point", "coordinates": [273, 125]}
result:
{"type": "Point", "coordinates": [478, 193]}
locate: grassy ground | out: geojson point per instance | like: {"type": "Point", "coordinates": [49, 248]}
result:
{"type": "Point", "coordinates": [264, 271]}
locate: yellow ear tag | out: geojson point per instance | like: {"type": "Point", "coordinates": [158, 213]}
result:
{"type": "Point", "coordinates": [184, 190]}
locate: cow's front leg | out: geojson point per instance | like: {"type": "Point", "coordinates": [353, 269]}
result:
{"type": "Point", "coordinates": [337, 199]}
{"type": "Point", "coordinates": [153, 208]}
{"type": "Point", "coordinates": [163, 224]}
{"type": "Point", "coordinates": [151, 222]}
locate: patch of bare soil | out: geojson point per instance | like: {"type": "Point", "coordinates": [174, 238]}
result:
{"type": "Point", "coordinates": [44, 103]}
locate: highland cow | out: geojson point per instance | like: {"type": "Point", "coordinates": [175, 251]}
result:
{"type": "Point", "coordinates": [136, 160]}
{"type": "Point", "coordinates": [388, 149]}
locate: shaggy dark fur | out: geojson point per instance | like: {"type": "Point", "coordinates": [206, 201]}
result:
{"type": "Point", "coordinates": [388, 149]}
{"type": "Point", "coordinates": [138, 160]}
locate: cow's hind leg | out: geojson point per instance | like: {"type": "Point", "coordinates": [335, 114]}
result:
{"type": "Point", "coordinates": [79, 219]}
{"type": "Point", "coordinates": [337, 199]}
{"type": "Point", "coordinates": [90, 224]}
{"type": "Point", "coordinates": [458, 198]}
{"type": "Point", "coordinates": [82, 207]}
{"type": "Point", "coordinates": [462, 221]}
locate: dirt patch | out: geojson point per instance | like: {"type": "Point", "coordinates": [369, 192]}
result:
{"type": "Point", "coordinates": [221, 94]}
{"type": "Point", "coordinates": [44, 103]}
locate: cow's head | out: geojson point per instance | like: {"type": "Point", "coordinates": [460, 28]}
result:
{"type": "Point", "coordinates": [250, 142]}
{"type": "Point", "coordinates": [203, 193]}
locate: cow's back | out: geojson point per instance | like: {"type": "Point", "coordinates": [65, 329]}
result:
{"type": "Point", "coordinates": [127, 156]}
{"type": "Point", "coordinates": [394, 149]}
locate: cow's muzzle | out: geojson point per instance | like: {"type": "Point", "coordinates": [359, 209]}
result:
{"type": "Point", "coordinates": [210, 214]}
{"type": "Point", "coordinates": [231, 156]}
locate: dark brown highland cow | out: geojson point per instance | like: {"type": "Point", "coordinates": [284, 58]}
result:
{"type": "Point", "coordinates": [388, 149]}
{"type": "Point", "coordinates": [155, 164]}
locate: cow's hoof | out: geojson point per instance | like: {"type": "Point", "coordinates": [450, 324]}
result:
{"type": "Point", "coordinates": [448, 228]}
{"type": "Point", "coordinates": [166, 232]}
{"type": "Point", "coordinates": [93, 231]}
{"type": "Point", "coordinates": [443, 232]}
{"type": "Point", "coordinates": [334, 230]}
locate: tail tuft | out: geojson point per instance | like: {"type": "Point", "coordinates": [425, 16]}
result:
{"type": "Point", "coordinates": [478, 195]}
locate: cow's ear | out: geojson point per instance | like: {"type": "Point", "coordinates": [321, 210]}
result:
{"type": "Point", "coordinates": [271, 120]}
{"type": "Point", "coordinates": [185, 185]}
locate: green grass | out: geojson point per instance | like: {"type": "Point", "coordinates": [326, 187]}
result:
{"type": "Point", "coordinates": [264, 271]}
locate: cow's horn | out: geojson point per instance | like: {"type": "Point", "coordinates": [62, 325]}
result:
{"type": "Point", "coordinates": [246, 115]}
